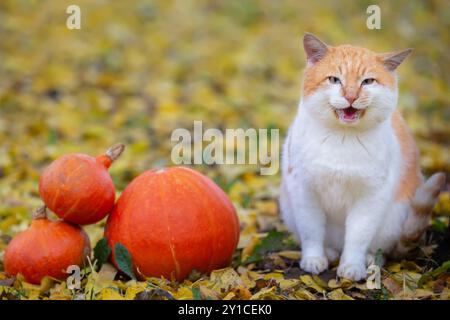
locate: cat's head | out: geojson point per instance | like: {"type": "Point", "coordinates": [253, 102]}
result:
{"type": "Point", "coordinates": [347, 86]}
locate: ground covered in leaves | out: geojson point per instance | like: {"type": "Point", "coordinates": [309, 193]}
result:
{"type": "Point", "coordinates": [139, 69]}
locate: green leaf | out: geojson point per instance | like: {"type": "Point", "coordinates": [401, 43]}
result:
{"type": "Point", "coordinates": [196, 294]}
{"type": "Point", "coordinates": [274, 241]}
{"type": "Point", "coordinates": [194, 275]}
{"type": "Point", "coordinates": [124, 260]}
{"type": "Point", "coordinates": [102, 251]}
{"type": "Point", "coordinates": [434, 273]}
{"type": "Point", "coordinates": [439, 225]}
{"type": "Point", "coordinates": [379, 258]}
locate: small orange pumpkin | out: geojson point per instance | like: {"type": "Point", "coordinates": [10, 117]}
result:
{"type": "Point", "coordinates": [173, 221]}
{"type": "Point", "coordinates": [78, 187]}
{"type": "Point", "coordinates": [46, 248]}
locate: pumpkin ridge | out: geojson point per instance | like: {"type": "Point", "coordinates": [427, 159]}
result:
{"type": "Point", "coordinates": [218, 194]}
{"type": "Point", "coordinates": [194, 182]}
{"type": "Point", "coordinates": [94, 212]}
{"type": "Point", "coordinates": [69, 211]}
{"type": "Point", "coordinates": [55, 198]}
{"type": "Point", "coordinates": [171, 246]}
{"type": "Point", "coordinates": [127, 237]}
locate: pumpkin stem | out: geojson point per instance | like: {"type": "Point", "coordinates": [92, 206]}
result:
{"type": "Point", "coordinates": [114, 152]}
{"type": "Point", "coordinates": [40, 213]}
{"type": "Point", "coordinates": [110, 155]}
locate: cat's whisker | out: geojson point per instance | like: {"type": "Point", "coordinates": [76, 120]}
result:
{"type": "Point", "coordinates": [362, 144]}
{"type": "Point", "coordinates": [326, 137]}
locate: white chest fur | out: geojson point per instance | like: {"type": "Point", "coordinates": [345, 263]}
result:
{"type": "Point", "coordinates": [341, 167]}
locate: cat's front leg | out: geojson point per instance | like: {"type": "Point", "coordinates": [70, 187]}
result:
{"type": "Point", "coordinates": [361, 226]}
{"type": "Point", "coordinates": [310, 222]}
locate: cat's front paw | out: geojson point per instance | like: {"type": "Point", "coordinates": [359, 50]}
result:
{"type": "Point", "coordinates": [314, 265]}
{"type": "Point", "coordinates": [352, 271]}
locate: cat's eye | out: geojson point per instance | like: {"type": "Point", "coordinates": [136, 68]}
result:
{"type": "Point", "coordinates": [334, 80]}
{"type": "Point", "coordinates": [367, 81]}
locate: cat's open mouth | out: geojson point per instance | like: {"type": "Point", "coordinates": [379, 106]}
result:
{"type": "Point", "coordinates": [349, 115]}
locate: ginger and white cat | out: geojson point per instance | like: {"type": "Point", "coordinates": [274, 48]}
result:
{"type": "Point", "coordinates": [351, 182]}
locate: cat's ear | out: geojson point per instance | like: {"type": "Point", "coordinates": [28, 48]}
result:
{"type": "Point", "coordinates": [315, 49]}
{"type": "Point", "coordinates": [392, 60]}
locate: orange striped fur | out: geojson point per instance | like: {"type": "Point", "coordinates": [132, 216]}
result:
{"type": "Point", "coordinates": [411, 177]}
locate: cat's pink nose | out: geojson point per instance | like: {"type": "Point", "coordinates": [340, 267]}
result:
{"type": "Point", "coordinates": [350, 98]}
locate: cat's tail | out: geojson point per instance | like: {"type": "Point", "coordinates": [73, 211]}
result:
{"type": "Point", "coordinates": [419, 216]}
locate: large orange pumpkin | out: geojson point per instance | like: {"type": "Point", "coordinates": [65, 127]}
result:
{"type": "Point", "coordinates": [78, 187]}
{"type": "Point", "coordinates": [173, 221]}
{"type": "Point", "coordinates": [46, 248]}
